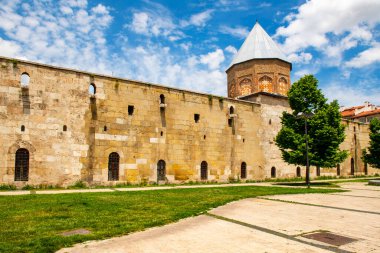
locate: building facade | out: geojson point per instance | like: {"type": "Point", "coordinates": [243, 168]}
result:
{"type": "Point", "coordinates": [59, 126]}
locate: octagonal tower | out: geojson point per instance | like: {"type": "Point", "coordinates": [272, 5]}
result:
{"type": "Point", "coordinates": [259, 66]}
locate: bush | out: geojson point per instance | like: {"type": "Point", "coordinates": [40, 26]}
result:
{"type": "Point", "coordinates": [7, 187]}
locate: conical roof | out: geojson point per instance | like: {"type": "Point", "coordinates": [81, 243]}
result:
{"type": "Point", "coordinates": [258, 45]}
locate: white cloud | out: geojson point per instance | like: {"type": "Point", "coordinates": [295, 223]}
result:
{"type": "Point", "coordinates": [198, 19]}
{"type": "Point", "coordinates": [156, 63]}
{"type": "Point", "coordinates": [330, 27]}
{"type": "Point", "coordinates": [73, 34]}
{"type": "Point", "coordinates": [350, 96]}
{"type": "Point", "coordinates": [365, 58]}
{"type": "Point", "coordinates": [231, 49]}
{"type": "Point", "coordinates": [66, 33]}
{"type": "Point", "coordinates": [156, 21]}
{"type": "Point", "coordinates": [300, 58]}
{"type": "Point", "coordinates": [140, 23]}
{"type": "Point", "coordinates": [213, 59]}
{"type": "Point", "coordinates": [238, 31]}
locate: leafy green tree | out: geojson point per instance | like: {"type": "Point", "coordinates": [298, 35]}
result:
{"type": "Point", "coordinates": [373, 155]}
{"type": "Point", "coordinates": [325, 131]}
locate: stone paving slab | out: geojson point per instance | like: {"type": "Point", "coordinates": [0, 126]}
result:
{"type": "Point", "coordinates": [294, 219]}
{"type": "Point", "coordinates": [198, 234]}
{"type": "Point", "coordinates": [261, 225]}
{"type": "Point", "coordinates": [335, 200]}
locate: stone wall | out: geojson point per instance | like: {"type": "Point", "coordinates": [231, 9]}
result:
{"type": "Point", "coordinates": [101, 125]}
{"type": "Point", "coordinates": [70, 134]}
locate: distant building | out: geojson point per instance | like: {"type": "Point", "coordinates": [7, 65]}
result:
{"type": "Point", "coordinates": [362, 113]}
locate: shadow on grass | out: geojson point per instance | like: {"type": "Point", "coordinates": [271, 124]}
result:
{"type": "Point", "coordinates": [303, 184]}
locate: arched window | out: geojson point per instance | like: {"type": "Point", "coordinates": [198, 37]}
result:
{"type": "Point", "coordinates": [352, 166]}
{"type": "Point", "coordinates": [232, 109]}
{"type": "Point", "coordinates": [25, 79]}
{"type": "Point", "coordinates": [162, 99]}
{"type": "Point", "coordinates": [338, 169]}
{"type": "Point", "coordinates": [243, 170]}
{"type": "Point", "coordinates": [161, 170]}
{"type": "Point", "coordinates": [22, 128]}
{"type": "Point", "coordinates": [298, 171]}
{"type": "Point", "coordinates": [92, 89]}
{"type": "Point", "coordinates": [273, 172]}
{"type": "Point", "coordinates": [265, 84]}
{"type": "Point", "coordinates": [22, 165]}
{"type": "Point", "coordinates": [282, 86]}
{"type": "Point", "coordinates": [64, 128]}
{"type": "Point", "coordinates": [245, 86]}
{"type": "Point", "coordinates": [113, 166]}
{"type": "Point", "coordinates": [204, 172]}
{"type": "Point", "coordinates": [318, 171]}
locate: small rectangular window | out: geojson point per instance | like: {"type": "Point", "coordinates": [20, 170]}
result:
{"type": "Point", "coordinates": [196, 117]}
{"type": "Point", "coordinates": [230, 122]}
{"type": "Point", "coordinates": [131, 108]}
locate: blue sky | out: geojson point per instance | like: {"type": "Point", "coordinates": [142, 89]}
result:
{"type": "Point", "coordinates": [189, 44]}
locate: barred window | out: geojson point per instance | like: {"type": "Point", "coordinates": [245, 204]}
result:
{"type": "Point", "coordinates": [243, 170]}
{"type": "Point", "coordinates": [113, 166]}
{"type": "Point", "coordinates": [204, 170]}
{"type": "Point", "coordinates": [22, 165]}
{"type": "Point", "coordinates": [161, 170]}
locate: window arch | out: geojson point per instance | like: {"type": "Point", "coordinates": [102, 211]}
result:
{"type": "Point", "coordinates": [161, 170]}
{"type": "Point", "coordinates": [92, 89]}
{"type": "Point", "coordinates": [243, 170]}
{"type": "Point", "coordinates": [204, 170]}
{"type": "Point", "coordinates": [282, 85]}
{"type": "Point", "coordinates": [298, 171]}
{"type": "Point", "coordinates": [232, 109]}
{"type": "Point", "coordinates": [352, 166]}
{"type": "Point", "coordinates": [273, 172]}
{"type": "Point", "coordinates": [22, 165]}
{"type": "Point", "coordinates": [245, 86]}
{"type": "Point", "coordinates": [265, 84]}
{"type": "Point", "coordinates": [25, 79]}
{"type": "Point", "coordinates": [113, 166]}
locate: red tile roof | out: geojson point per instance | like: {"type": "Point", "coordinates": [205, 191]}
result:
{"type": "Point", "coordinates": [350, 111]}
{"type": "Point", "coordinates": [368, 113]}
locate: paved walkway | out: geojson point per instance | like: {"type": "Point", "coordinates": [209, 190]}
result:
{"type": "Point", "coordinates": [152, 188]}
{"type": "Point", "coordinates": [271, 224]}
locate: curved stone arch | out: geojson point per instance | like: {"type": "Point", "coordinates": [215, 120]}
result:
{"type": "Point", "coordinates": [282, 85]}
{"type": "Point", "coordinates": [11, 156]}
{"type": "Point", "coordinates": [245, 86]}
{"type": "Point", "coordinates": [266, 84]}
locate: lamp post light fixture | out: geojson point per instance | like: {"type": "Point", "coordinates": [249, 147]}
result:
{"type": "Point", "coordinates": [306, 116]}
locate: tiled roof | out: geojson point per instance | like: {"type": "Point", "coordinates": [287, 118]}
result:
{"type": "Point", "coordinates": [350, 111]}
{"type": "Point", "coordinates": [368, 113]}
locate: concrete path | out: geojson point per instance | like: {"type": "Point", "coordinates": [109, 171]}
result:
{"type": "Point", "coordinates": [270, 224]}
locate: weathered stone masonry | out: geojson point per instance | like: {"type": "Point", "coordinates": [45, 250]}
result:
{"type": "Point", "coordinates": [70, 134]}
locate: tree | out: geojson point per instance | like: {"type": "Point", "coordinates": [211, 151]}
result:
{"type": "Point", "coordinates": [324, 128]}
{"type": "Point", "coordinates": [373, 155]}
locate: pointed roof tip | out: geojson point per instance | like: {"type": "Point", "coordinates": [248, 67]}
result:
{"type": "Point", "coordinates": [258, 45]}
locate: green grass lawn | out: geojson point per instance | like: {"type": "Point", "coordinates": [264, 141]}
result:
{"type": "Point", "coordinates": [33, 223]}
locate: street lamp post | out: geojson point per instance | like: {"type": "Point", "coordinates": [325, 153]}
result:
{"type": "Point", "coordinates": [306, 116]}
